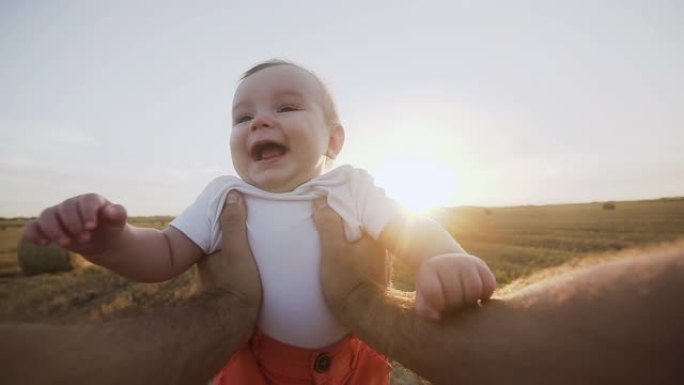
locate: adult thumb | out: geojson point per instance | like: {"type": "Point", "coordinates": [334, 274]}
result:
{"type": "Point", "coordinates": [328, 223]}
{"type": "Point", "coordinates": [233, 221]}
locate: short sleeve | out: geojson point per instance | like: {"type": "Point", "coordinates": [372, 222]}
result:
{"type": "Point", "coordinates": [198, 220]}
{"type": "Point", "coordinates": [375, 209]}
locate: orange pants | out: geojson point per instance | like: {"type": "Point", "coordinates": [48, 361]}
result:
{"type": "Point", "coordinates": [265, 361]}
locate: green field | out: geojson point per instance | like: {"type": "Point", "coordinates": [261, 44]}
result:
{"type": "Point", "coordinates": [515, 241]}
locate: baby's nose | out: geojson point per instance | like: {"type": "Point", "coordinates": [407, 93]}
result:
{"type": "Point", "coordinates": [262, 121]}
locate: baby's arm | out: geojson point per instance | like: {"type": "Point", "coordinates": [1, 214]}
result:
{"type": "Point", "coordinates": [447, 276]}
{"type": "Point", "coordinates": [97, 229]}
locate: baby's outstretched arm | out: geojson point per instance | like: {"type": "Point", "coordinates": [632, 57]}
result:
{"type": "Point", "coordinates": [446, 276]}
{"type": "Point", "coordinates": [97, 229]}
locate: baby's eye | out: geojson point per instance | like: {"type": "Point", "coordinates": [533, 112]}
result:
{"type": "Point", "coordinates": [288, 108]}
{"type": "Point", "coordinates": [242, 119]}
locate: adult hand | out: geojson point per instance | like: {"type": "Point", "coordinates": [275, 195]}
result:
{"type": "Point", "coordinates": [350, 272]}
{"type": "Point", "coordinates": [233, 268]}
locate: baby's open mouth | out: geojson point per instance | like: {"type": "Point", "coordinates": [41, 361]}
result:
{"type": "Point", "coordinates": [265, 150]}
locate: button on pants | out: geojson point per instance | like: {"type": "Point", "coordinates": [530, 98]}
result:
{"type": "Point", "coordinates": [265, 361]}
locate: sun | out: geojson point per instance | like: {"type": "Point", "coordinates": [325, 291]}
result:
{"type": "Point", "coordinates": [421, 169]}
{"type": "Point", "coordinates": [417, 183]}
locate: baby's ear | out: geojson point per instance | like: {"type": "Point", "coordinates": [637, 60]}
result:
{"type": "Point", "coordinates": [335, 141]}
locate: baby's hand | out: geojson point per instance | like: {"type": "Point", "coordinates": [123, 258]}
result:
{"type": "Point", "coordinates": [451, 281]}
{"type": "Point", "coordinates": [86, 224]}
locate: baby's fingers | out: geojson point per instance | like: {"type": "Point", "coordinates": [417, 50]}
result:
{"type": "Point", "coordinates": [471, 286]}
{"type": "Point", "coordinates": [452, 281]}
{"type": "Point", "coordinates": [49, 225]}
{"type": "Point", "coordinates": [113, 215]}
{"type": "Point", "coordinates": [430, 299]}
{"type": "Point", "coordinates": [33, 234]}
{"type": "Point", "coordinates": [89, 205]}
{"type": "Point", "coordinates": [69, 215]}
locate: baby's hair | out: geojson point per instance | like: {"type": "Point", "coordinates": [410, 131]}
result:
{"type": "Point", "coordinates": [329, 108]}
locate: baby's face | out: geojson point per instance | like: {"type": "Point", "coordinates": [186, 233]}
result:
{"type": "Point", "coordinates": [280, 134]}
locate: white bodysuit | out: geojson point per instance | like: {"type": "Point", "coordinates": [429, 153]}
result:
{"type": "Point", "coordinates": [285, 244]}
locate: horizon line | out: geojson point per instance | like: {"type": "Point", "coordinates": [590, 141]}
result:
{"type": "Point", "coordinates": [679, 197]}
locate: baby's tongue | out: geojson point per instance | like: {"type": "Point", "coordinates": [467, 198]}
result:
{"type": "Point", "coordinates": [272, 152]}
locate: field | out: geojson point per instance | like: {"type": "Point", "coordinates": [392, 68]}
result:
{"type": "Point", "coordinates": [515, 241]}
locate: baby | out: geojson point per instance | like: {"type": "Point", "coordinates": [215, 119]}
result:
{"type": "Point", "coordinates": [285, 130]}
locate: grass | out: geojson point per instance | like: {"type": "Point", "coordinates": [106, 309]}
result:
{"type": "Point", "coordinates": [515, 242]}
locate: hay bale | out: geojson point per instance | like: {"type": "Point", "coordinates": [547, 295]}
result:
{"type": "Point", "coordinates": [609, 206]}
{"type": "Point", "coordinates": [34, 259]}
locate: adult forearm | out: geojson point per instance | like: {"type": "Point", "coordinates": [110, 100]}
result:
{"type": "Point", "coordinates": [182, 345]}
{"type": "Point", "coordinates": [618, 322]}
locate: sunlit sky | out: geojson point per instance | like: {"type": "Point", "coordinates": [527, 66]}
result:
{"type": "Point", "coordinates": [444, 102]}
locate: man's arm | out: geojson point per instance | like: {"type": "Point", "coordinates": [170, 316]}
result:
{"type": "Point", "coordinates": [618, 322]}
{"type": "Point", "coordinates": [187, 344]}
{"type": "Point", "coordinates": [182, 345]}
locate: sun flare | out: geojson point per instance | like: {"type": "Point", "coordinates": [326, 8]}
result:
{"type": "Point", "coordinates": [421, 169]}
{"type": "Point", "coordinates": [417, 184]}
